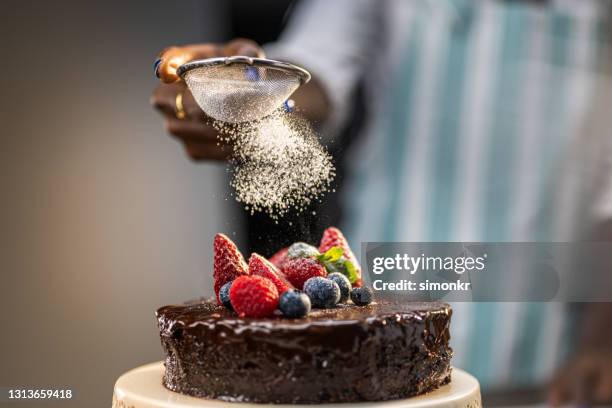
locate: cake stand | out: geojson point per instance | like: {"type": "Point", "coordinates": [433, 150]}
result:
{"type": "Point", "coordinates": [142, 388]}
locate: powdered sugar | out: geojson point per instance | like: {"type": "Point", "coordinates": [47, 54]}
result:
{"type": "Point", "coordinates": [278, 163]}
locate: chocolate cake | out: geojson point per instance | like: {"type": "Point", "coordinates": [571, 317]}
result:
{"type": "Point", "coordinates": [378, 352]}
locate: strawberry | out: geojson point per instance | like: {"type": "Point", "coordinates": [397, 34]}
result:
{"type": "Point", "coordinates": [260, 266]}
{"type": "Point", "coordinates": [253, 296]}
{"type": "Point", "coordinates": [228, 262]}
{"type": "Point", "coordinates": [299, 270]}
{"type": "Point", "coordinates": [279, 257]}
{"type": "Point", "coordinates": [332, 237]}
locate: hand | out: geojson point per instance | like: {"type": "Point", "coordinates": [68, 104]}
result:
{"type": "Point", "coordinates": [586, 380]}
{"type": "Point", "coordinates": [173, 57]}
{"type": "Point", "coordinates": [198, 137]}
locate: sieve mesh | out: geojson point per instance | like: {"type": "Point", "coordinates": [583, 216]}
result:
{"type": "Point", "coordinates": [240, 91]}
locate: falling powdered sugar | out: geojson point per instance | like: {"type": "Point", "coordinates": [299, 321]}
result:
{"type": "Point", "coordinates": [278, 163]}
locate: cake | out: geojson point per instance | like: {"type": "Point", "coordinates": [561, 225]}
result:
{"type": "Point", "coordinates": [382, 351]}
{"type": "Point", "coordinates": [301, 327]}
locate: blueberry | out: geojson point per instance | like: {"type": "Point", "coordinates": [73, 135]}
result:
{"type": "Point", "coordinates": [323, 293]}
{"type": "Point", "coordinates": [294, 303]}
{"type": "Point", "coordinates": [343, 283]}
{"type": "Point", "coordinates": [361, 296]}
{"type": "Point", "coordinates": [302, 250]}
{"type": "Point", "coordinates": [224, 295]}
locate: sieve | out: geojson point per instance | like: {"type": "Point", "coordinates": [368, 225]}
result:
{"type": "Point", "coordinates": [240, 89]}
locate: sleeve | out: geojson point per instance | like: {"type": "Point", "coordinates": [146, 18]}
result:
{"type": "Point", "coordinates": [334, 41]}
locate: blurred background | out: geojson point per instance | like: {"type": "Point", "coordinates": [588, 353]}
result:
{"type": "Point", "coordinates": [104, 219]}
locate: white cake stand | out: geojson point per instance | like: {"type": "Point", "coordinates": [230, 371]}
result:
{"type": "Point", "coordinates": [142, 388]}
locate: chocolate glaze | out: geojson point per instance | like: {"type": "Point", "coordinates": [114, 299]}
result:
{"type": "Point", "coordinates": [379, 352]}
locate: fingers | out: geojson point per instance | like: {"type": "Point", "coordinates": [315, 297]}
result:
{"type": "Point", "coordinates": [173, 57]}
{"type": "Point", "coordinates": [164, 100]}
{"type": "Point", "coordinates": [198, 137]}
{"type": "Point", "coordinates": [164, 96]}
{"type": "Point", "coordinates": [243, 46]}
{"type": "Point", "coordinates": [200, 140]}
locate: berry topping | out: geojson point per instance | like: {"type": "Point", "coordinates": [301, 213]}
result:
{"type": "Point", "coordinates": [228, 262]}
{"type": "Point", "coordinates": [299, 270]}
{"type": "Point", "coordinates": [340, 266]}
{"type": "Point", "coordinates": [343, 284]}
{"type": "Point", "coordinates": [279, 258]}
{"type": "Point", "coordinates": [253, 296]}
{"type": "Point", "coordinates": [323, 293]}
{"type": "Point", "coordinates": [224, 296]}
{"type": "Point", "coordinates": [302, 250]}
{"type": "Point", "coordinates": [333, 237]}
{"type": "Point", "coordinates": [362, 296]}
{"type": "Point", "coordinates": [294, 303]}
{"type": "Point", "coordinates": [260, 266]}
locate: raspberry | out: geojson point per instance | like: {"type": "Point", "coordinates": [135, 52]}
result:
{"type": "Point", "coordinates": [279, 258]}
{"type": "Point", "coordinates": [228, 262]}
{"type": "Point", "coordinates": [299, 270]}
{"type": "Point", "coordinates": [260, 266]}
{"type": "Point", "coordinates": [333, 237]}
{"type": "Point", "coordinates": [253, 296]}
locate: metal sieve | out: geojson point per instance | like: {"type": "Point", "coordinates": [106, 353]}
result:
{"type": "Point", "coordinates": [241, 89]}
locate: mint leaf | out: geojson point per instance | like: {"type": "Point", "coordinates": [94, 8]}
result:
{"type": "Point", "coordinates": [343, 266]}
{"type": "Point", "coordinates": [333, 254]}
{"type": "Point", "coordinates": [336, 266]}
{"type": "Point", "coordinates": [351, 271]}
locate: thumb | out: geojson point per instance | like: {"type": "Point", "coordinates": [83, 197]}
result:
{"type": "Point", "coordinates": [243, 46]}
{"type": "Point", "coordinates": [173, 57]}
